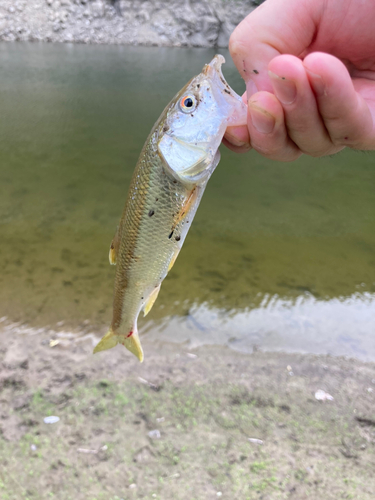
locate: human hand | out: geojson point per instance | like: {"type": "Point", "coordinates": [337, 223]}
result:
{"type": "Point", "coordinates": [309, 68]}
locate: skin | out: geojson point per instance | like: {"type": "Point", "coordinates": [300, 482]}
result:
{"type": "Point", "coordinates": [309, 68]}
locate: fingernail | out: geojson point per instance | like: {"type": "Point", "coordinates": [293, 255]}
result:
{"type": "Point", "coordinates": [285, 90]}
{"type": "Point", "coordinates": [317, 83]}
{"type": "Point", "coordinates": [262, 120]}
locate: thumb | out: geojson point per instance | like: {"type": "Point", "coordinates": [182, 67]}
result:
{"type": "Point", "coordinates": [276, 27]}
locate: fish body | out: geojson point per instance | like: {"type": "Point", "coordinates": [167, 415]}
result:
{"type": "Point", "coordinates": [171, 174]}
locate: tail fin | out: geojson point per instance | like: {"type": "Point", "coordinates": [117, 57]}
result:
{"type": "Point", "coordinates": [131, 342]}
{"type": "Point", "coordinates": [108, 341]}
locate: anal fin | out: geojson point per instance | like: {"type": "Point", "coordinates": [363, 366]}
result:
{"type": "Point", "coordinates": [151, 301]}
{"type": "Point", "coordinates": [173, 260]}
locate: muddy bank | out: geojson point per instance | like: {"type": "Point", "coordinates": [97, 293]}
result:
{"type": "Point", "coordinates": [178, 425]}
{"type": "Point", "coordinates": [190, 23]}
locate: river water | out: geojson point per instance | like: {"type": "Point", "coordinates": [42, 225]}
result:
{"type": "Point", "coordinates": [280, 256]}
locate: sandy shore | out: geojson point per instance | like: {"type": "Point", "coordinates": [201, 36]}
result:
{"type": "Point", "coordinates": [178, 425]}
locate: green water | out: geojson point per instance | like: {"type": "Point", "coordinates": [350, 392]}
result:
{"type": "Point", "coordinates": [280, 255]}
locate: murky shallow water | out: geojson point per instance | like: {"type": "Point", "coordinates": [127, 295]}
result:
{"type": "Point", "coordinates": [281, 256]}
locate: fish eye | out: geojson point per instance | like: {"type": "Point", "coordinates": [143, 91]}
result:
{"type": "Point", "coordinates": [188, 103]}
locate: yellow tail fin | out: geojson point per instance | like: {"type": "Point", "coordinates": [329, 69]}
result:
{"type": "Point", "coordinates": [108, 341]}
{"type": "Point", "coordinates": [132, 343]}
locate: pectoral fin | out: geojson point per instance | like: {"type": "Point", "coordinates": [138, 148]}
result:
{"type": "Point", "coordinates": [151, 301]}
{"type": "Point", "coordinates": [113, 250]}
{"type": "Point", "coordinates": [188, 203]}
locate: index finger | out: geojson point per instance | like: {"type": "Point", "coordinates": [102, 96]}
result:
{"type": "Point", "coordinates": [276, 27]}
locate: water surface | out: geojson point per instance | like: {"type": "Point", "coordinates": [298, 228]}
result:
{"type": "Point", "coordinates": [280, 256]}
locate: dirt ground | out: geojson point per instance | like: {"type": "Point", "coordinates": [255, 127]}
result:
{"type": "Point", "coordinates": [184, 425]}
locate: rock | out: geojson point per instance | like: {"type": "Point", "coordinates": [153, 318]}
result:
{"type": "Point", "coordinates": [51, 419]}
{"type": "Point", "coordinates": [154, 434]}
{"type": "Point", "coordinates": [321, 395]}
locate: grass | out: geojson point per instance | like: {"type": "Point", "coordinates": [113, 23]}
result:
{"type": "Point", "coordinates": [101, 445]}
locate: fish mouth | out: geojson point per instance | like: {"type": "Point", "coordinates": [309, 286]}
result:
{"type": "Point", "coordinates": [214, 65]}
{"type": "Point", "coordinates": [223, 91]}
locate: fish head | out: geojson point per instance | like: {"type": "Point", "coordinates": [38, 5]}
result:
{"type": "Point", "coordinates": [193, 124]}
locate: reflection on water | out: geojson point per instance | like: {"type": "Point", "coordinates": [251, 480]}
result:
{"type": "Point", "coordinates": [73, 120]}
{"type": "Point", "coordinates": [340, 327]}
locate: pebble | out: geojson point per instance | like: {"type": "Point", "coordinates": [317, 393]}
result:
{"type": "Point", "coordinates": [51, 420]}
{"type": "Point", "coordinates": [155, 434]}
{"type": "Point", "coordinates": [255, 441]}
{"type": "Point", "coordinates": [321, 395]}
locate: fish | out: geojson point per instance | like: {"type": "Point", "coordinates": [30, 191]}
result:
{"type": "Point", "coordinates": [170, 177]}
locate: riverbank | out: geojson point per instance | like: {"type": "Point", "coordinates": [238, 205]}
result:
{"type": "Point", "coordinates": [184, 424]}
{"type": "Point", "coordinates": [176, 23]}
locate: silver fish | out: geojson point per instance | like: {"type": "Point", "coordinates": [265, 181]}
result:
{"type": "Point", "coordinates": [170, 177]}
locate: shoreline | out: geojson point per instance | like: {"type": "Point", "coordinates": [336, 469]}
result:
{"type": "Point", "coordinates": [184, 424]}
